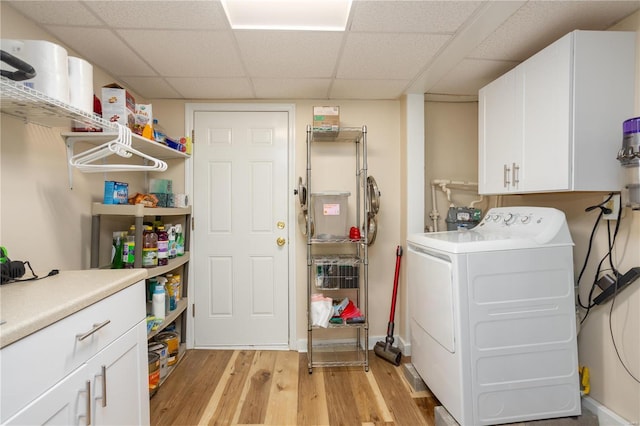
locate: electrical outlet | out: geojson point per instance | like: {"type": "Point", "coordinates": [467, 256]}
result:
{"type": "Point", "coordinates": [614, 205]}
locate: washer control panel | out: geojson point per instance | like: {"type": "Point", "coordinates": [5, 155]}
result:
{"type": "Point", "coordinates": [540, 222]}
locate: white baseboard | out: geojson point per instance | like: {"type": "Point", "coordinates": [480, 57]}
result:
{"type": "Point", "coordinates": [606, 417]}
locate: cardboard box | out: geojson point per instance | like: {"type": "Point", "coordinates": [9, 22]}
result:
{"type": "Point", "coordinates": [116, 192]}
{"type": "Point", "coordinates": [118, 105]}
{"type": "Point", "coordinates": [326, 118]}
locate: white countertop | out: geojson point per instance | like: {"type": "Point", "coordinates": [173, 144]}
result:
{"type": "Point", "coordinates": [26, 307]}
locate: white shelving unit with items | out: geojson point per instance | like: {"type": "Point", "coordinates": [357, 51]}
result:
{"type": "Point", "coordinates": [180, 264]}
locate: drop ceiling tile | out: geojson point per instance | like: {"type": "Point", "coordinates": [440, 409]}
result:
{"type": "Point", "coordinates": [175, 53]}
{"type": "Point", "coordinates": [411, 16]}
{"type": "Point", "coordinates": [539, 23]}
{"type": "Point", "coordinates": [161, 14]}
{"type": "Point", "coordinates": [57, 12]}
{"type": "Point", "coordinates": [468, 76]}
{"type": "Point", "coordinates": [212, 88]}
{"type": "Point", "coordinates": [103, 48]}
{"type": "Point", "coordinates": [151, 87]}
{"type": "Point", "coordinates": [367, 89]}
{"type": "Point", "coordinates": [275, 54]}
{"type": "Point", "coordinates": [281, 88]}
{"type": "Point", "coordinates": [387, 56]}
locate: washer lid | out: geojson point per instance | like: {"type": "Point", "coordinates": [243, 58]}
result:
{"type": "Point", "coordinates": [503, 228]}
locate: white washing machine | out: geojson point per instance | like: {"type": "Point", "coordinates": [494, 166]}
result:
{"type": "Point", "coordinates": [493, 326]}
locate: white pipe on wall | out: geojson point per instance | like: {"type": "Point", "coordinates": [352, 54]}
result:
{"type": "Point", "coordinates": [446, 185]}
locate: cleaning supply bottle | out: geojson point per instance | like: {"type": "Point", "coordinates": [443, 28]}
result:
{"type": "Point", "coordinates": [159, 135]}
{"type": "Point", "coordinates": [173, 251]}
{"type": "Point", "coordinates": [128, 254]}
{"type": "Point", "coordinates": [158, 302]}
{"type": "Point", "coordinates": [149, 248]}
{"type": "Point", "coordinates": [163, 246]}
{"type": "Point", "coordinates": [179, 240]}
{"type": "Point", "coordinates": [116, 251]}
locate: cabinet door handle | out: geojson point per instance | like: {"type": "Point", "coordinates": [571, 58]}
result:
{"type": "Point", "coordinates": [516, 173]}
{"type": "Point", "coordinates": [104, 386]}
{"type": "Point", "coordinates": [505, 176]}
{"type": "Point", "coordinates": [95, 328]}
{"type": "Point", "coordinates": [88, 402]}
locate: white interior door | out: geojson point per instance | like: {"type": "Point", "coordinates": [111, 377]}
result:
{"type": "Point", "coordinates": [241, 230]}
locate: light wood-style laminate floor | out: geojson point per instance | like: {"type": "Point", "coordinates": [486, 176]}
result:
{"type": "Point", "coordinates": [246, 387]}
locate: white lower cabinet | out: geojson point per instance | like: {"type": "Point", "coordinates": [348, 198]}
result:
{"type": "Point", "coordinates": [64, 404]}
{"type": "Point", "coordinates": [110, 387]}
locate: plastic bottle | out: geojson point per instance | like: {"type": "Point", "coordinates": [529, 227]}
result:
{"type": "Point", "coordinates": [116, 251]}
{"type": "Point", "coordinates": [158, 302]}
{"type": "Point", "coordinates": [128, 254]}
{"type": "Point", "coordinates": [149, 248]}
{"type": "Point", "coordinates": [179, 241]}
{"type": "Point", "coordinates": [163, 246]}
{"type": "Point", "coordinates": [147, 131]}
{"type": "Point", "coordinates": [170, 292]}
{"type": "Point", "coordinates": [162, 282]}
{"type": "Point", "coordinates": [159, 135]}
{"type": "Point", "coordinates": [173, 250]}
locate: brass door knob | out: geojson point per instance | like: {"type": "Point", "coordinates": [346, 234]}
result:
{"type": "Point", "coordinates": [280, 241]}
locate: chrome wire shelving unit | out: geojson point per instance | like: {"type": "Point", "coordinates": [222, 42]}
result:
{"type": "Point", "coordinates": [342, 267]}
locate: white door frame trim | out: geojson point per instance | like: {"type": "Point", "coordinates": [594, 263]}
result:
{"type": "Point", "coordinates": [190, 110]}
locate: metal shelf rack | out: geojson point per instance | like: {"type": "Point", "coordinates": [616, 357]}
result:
{"type": "Point", "coordinates": [347, 273]}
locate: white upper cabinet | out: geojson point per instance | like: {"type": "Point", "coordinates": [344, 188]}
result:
{"type": "Point", "coordinates": [554, 123]}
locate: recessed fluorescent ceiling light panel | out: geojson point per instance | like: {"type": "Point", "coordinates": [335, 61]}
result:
{"type": "Point", "coordinates": [311, 15]}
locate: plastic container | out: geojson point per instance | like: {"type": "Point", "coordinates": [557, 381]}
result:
{"type": "Point", "coordinates": [116, 250]}
{"type": "Point", "coordinates": [128, 254]}
{"type": "Point", "coordinates": [158, 302]}
{"type": "Point", "coordinates": [173, 250]}
{"type": "Point", "coordinates": [149, 248]}
{"type": "Point", "coordinates": [159, 134]}
{"type": "Point", "coordinates": [330, 213]}
{"type": "Point", "coordinates": [174, 281]}
{"type": "Point", "coordinates": [179, 240]}
{"type": "Point", "coordinates": [163, 246]}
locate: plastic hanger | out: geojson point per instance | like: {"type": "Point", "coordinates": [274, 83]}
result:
{"type": "Point", "coordinates": [121, 146]}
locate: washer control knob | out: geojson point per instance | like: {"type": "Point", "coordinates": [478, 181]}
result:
{"type": "Point", "coordinates": [496, 217]}
{"type": "Point", "coordinates": [525, 219]}
{"type": "Point", "coordinates": [509, 218]}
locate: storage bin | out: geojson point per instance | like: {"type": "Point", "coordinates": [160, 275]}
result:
{"type": "Point", "coordinates": [330, 212]}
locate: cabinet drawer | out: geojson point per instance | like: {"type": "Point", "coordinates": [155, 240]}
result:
{"type": "Point", "coordinates": [37, 362]}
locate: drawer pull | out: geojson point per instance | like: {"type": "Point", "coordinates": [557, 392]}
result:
{"type": "Point", "coordinates": [88, 402]}
{"type": "Point", "coordinates": [104, 386]}
{"type": "Point", "coordinates": [95, 328]}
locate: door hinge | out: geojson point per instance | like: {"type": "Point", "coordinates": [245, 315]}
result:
{"type": "Point", "coordinates": [193, 310]}
{"type": "Point", "coordinates": [193, 136]}
{"type": "Point", "coordinates": [193, 223]}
